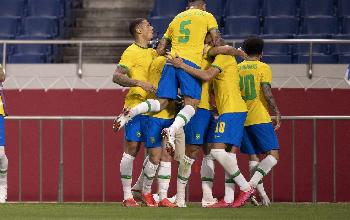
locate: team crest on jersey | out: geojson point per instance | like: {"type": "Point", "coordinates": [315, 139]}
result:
{"type": "Point", "coordinates": [198, 136]}
{"type": "Point", "coordinates": [153, 140]}
{"type": "Point", "coordinates": [138, 134]}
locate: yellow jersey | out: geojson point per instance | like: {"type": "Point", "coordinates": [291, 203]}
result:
{"type": "Point", "coordinates": [154, 77]}
{"type": "Point", "coordinates": [187, 32]}
{"type": "Point", "coordinates": [137, 60]}
{"type": "Point", "coordinates": [226, 86]}
{"type": "Point", "coordinates": [204, 102]}
{"type": "Point", "coordinates": [252, 75]}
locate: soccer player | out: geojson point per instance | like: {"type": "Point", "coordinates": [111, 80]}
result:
{"type": "Point", "coordinates": [259, 133]}
{"type": "Point", "coordinates": [186, 33]}
{"type": "Point", "coordinates": [232, 114]}
{"type": "Point", "coordinates": [132, 71]}
{"type": "Point", "coordinates": [3, 158]}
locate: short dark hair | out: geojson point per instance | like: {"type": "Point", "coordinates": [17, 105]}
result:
{"type": "Point", "coordinates": [195, 1]}
{"type": "Point", "coordinates": [253, 46]}
{"type": "Point", "coordinates": [134, 24]}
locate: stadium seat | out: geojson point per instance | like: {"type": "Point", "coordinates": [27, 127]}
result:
{"type": "Point", "coordinates": [280, 8]}
{"type": "Point", "coordinates": [318, 59]}
{"type": "Point", "coordinates": [40, 27]}
{"type": "Point", "coordinates": [242, 8]}
{"type": "Point", "coordinates": [28, 58]}
{"type": "Point", "coordinates": [9, 27]}
{"type": "Point", "coordinates": [12, 8]}
{"type": "Point", "coordinates": [241, 27]}
{"type": "Point", "coordinates": [168, 7]}
{"type": "Point", "coordinates": [280, 27]}
{"type": "Point", "coordinates": [32, 48]}
{"type": "Point", "coordinates": [277, 59]}
{"type": "Point", "coordinates": [344, 59]}
{"type": "Point", "coordinates": [342, 48]}
{"type": "Point", "coordinates": [276, 48]}
{"type": "Point", "coordinates": [344, 8]}
{"type": "Point", "coordinates": [160, 25]}
{"type": "Point", "coordinates": [46, 8]}
{"type": "Point", "coordinates": [316, 48]}
{"type": "Point", "coordinates": [317, 8]}
{"type": "Point", "coordinates": [346, 25]}
{"type": "Point", "coordinates": [216, 7]}
{"type": "Point", "coordinates": [319, 26]}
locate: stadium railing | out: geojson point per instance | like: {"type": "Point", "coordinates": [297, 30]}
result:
{"type": "Point", "coordinates": [82, 43]}
{"type": "Point", "coordinates": [62, 119]}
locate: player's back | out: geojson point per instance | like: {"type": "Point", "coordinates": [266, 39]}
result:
{"type": "Point", "coordinates": [226, 86]}
{"type": "Point", "coordinates": [252, 75]}
{"type": "Point", "coordinates": [187, 32]}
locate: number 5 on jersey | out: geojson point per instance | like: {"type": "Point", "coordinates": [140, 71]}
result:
{"type": "Point", "coordinates": [185, 31]}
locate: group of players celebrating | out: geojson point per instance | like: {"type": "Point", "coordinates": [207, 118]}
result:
{"type": "Point", "coordinates": [198, 67]}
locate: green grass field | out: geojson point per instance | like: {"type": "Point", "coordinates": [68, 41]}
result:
{"type": "Point", "coordinates": [115, 211]}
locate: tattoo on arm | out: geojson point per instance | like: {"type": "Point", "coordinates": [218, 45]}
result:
{"type": "Point", "coordinates": [269, 98]}
{"type": "Point", "coordinates": [120, 77]}
{"type": "Point", "coordinates": [2, 75]}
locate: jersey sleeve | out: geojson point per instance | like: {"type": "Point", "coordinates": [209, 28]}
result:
{"type": "Point", "coordinates": [266, 75]}
{"type": "Point", "coordinates": [126, 61]}
{"type": "Point", "coordinates": [219, 62]}
{"type": "Point", "coordinates": [212, 23]}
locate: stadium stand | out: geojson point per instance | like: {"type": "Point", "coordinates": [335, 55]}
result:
{"type": "Point", "coordinates": [168, 8]}
{"type": "Point", "coordinates": [280, 8]}
{"type": "Point", "coordinates": [243, 8]}
{"type": "Point", "coordinates": [239, 27]}
{"type": "Point", "coordinates": [344, 8]}
{"type": "Point", "coordinates": [324, 8]}
{"type": "Point", "coordinates": [14, 8]}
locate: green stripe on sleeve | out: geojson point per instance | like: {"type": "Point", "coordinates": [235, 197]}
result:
{"type": "Point", "coordinates": [125, 67]}
{"type": "Point", "coordinates": [266, 83]}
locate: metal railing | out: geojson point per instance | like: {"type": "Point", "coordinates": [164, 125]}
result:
{"type": "Point", "coordinates": [82, 43]}
{"type": "Point", "coordinates": [61, 120]}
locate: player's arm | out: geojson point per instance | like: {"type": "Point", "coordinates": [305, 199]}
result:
{"type": "Point", "coordinates": [266, 87]}
{"type": "Point", "coordinates": [2, 74]}
{"type": "Point", "coordinates": [205, 75]}
{"type": "Point", "coordinates": [215, 35]}
{"type": "Point", "coordinates": [120, 77]}
{"type": "Point", "coordinates": [226, 50]}
{"type": "Point", "coordinates": [161, 48]}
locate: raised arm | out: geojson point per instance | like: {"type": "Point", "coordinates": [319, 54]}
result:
{"type": "Point", "coordinates": [215, 36]}
{"type": "Point", "coordinates": [161, 48]}
{"type": "Point", "coordinates": [272, 103]}
{"type": "Point", "coordinates": [120, 77]}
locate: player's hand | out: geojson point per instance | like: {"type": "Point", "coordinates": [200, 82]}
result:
{"type": "Point", "coordinates": [175, 60]}
{"type": "Point", "coordinates": [148, 87]}
{"type": "Point", "coordinates": [278, 121]}
{"type": "Point", "coordinates": [242, 54]}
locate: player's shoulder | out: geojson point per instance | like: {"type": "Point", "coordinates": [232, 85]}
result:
{"type": "Point", "coordinates": [130, 49]}
{"type": "Point", "coordinates": [262, 65]}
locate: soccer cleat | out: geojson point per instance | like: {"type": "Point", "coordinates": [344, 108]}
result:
{"type": "Point", "coordinates": [220, 204]}
{"type": "Point", "coordinates": [137, 194]}
{"type": "Point", "coordinates": [148, 200]}
{"type": "Point", "coordinates": [122, 120]}
{"type": "Point", "coordinates": [166, 203]}
{"type": "Point", "coordinates": [243, 198]}
{"type": "Point", "coordinates": [180, 200]}
{"type": "Point", "coordinates": [130, 203]}
{"type": "Point", "coordinates": [169, 141]}
{"type": "Point", "coordinates": [206, 203]}
{"type": "Point", "coordinates": [265, 200]}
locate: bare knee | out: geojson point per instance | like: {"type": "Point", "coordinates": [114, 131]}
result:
{"type": "Point", "coordinates": [275, 154]}
{"type": "Point", "coordinates": [192, 151]}
{"type": "Point", "coordinates": [163, 103]}
{"type": "Point", "coordinates": [155, 155]}
{"type": "Point", "coordinates": [132, 148]}
{"type": "Point", "coordinates": [190, 101]}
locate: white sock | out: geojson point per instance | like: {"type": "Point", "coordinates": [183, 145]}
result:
{"type": "Point", "coordinates": [149, 172]}
{"type": "Point", "coordinates": [229, 188]}
{"type": "Point", "coordinates": [3, 166]}
{"type": "Point", "coordinates": [126, 165]}
{"type": "Point", "coordinates": [182, 118]}
{"type": "Point", "coordinates": [183, 174]}
{"type": "Point", "coordinates": [260, 187]}
{"type": "Point", "coordinates": [150, 105]}
{"type": "Point", "coordinates": [139, 183]}
{"type": "Point", "coordinates": [207, 175]}
{"type": "Point", "coordinates": [262, 169]}
{"type": "Point", "coordinates": [229, 162]}
{"type": "Point", "coordinates": [164, 176]}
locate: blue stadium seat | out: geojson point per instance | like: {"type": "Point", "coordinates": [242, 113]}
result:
{"type": "Point", "coordinates": [344, 58]}
{"type": "Point", "coordinates": [318, 59]}
{"type": "Point", "coordinates": [319, 26]}
{"type": "Point", "coordinates": [216, 7]}
{"type": "Point", "coordinates": [40, 27]}
{"type": "Point", "coordinates": [280, 8]}
{"type": "Point", "coordinates": [45, 49]}
{"type": "Point", "coordinates": [316, 48]}
{"type": "Point", "coordinates": [276, 48]}
{"type": "Point", "coordinates": [9, 27]}
{"type": "Point", "coordinates": [28, 58]}
{"type": "Point", "coordinates": [277, 59]}
{"type": "Point", "coordinates": [242, 8]}
{"type": "Point", "coordinates": [168, 7]}
{"type": "Point", "coordinates": [241, 27]}
{"type": "Point", "coordinates": [344, 8]}
{"type": "Point", "coordinates": [317, 8]}
{"type": "Point", "coordinates": [46, 8]}
{"type": "Point", "coordinates": [342, 48]}
{"type": "Point", "coordinates": [12, 8]}
{"type": "Point", "coordinates": [346, 25]}
{"type": "Point", "coordinates": [160, 25]}
{"type": "Point", "coordinates": [281, 26]}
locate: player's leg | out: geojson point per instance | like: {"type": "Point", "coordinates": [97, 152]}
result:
{"type": "Point", "coordinates": [164, 176]}
{"type": "Point", "coordinates": [207, 177]}
{"type": "Point", "coordinates": [253, 163]}
{"type": "Point", "coordinates": [3, 163]}
{"type": "Point", "coordinates": [136, 190]}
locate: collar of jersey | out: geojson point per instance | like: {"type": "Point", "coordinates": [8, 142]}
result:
{"type": "Point", "coordinates": [141, 46]}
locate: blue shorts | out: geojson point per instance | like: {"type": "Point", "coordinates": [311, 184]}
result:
{"type": "Point", "coordinates": [259, 138]}
{"type": "Point", "coordinates": [228, 129]}
{"type": "Point", "coordinates": [196, 130]}
{"type": "Point", "coordinates": [2, 131]}
{"type": "Point", "coordinates": [153, 133]}
{"type": "Point", "coordinates": [135, 129]}
{"type": "Point", "coordinates": [172, 77]}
